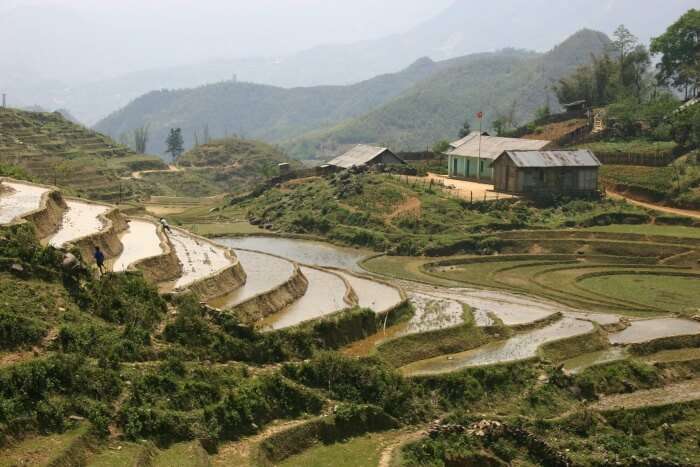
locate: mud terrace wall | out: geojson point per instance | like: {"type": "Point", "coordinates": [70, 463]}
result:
{"type": "Point", "coordinates": [272, 301]}
{"type": "Point", "coordinates": [219, 283]}
{"type": "Point", "coordinates": [47, 218]}
{"type": "Point", "coordinates": [161, 268]}
{"type": "Point", "coordinates": [108, 239]}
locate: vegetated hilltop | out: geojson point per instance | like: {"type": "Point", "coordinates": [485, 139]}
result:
{"type": "Point", "coordinates": [258, 111]}
{"type": "Point", "coordinates": [417, 106]}
{"type": "Point", "coordinates": [510, 84]}
{"type": "Point", "coordinates": [54, 150]}
{"type": "Point", "coordinates": [228, 165]}
{"type": "Point", "coordinates": [388, 214]}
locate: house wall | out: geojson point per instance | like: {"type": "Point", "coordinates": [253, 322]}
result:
{"type": "Point", "coordinates": [510, 178]}
{"type": "Point", "coordinates": [387, 157]}
{"type": "Point", "coordinates": [466, 167]}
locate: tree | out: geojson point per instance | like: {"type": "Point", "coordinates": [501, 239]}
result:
{"type": "Point", "coordinates": [174, 143]}
{"type": "Point", "coordinates": [624, 42]}
{"type": "Point", "coordinates": [442, 147]}
{"type": "Point", "coordinates": [499, 126]}
{"type": "Point", "coordinates": [542, 113]}
{"type": "Point", "coordinates": [679, 47]}
{"type": "Point", "coordinates": [465, 130]}
{"type": "Point", "coordinates": [141, 136]}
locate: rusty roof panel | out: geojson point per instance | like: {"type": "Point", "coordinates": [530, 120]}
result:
{"type": "Point", "coordinates": [541, 159]}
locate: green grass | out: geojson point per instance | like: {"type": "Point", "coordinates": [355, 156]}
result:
{"type": "Point", "coordinates": [673, 293]}
{"type": "Point", "coordinates": [184, 454]}
{"type": "Point", "coordinates": [40, 450]}
{"type": "Point", "coordinates": [363, 450]}
{"type": "Point", "coordinates": [119, 455]}
{"type": "Point", "coordinates": [650, 229]}
{"type": "Point", "coordinates": [638, 146]}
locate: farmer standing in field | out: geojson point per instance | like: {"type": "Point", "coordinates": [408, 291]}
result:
{"type": "Point", "coordinates": [99, 259]}
{"type": "Point", "coordinates": [165, 225]}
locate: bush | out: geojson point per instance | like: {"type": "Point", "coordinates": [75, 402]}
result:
{"type": "Point", "coordinates": [16, 331]}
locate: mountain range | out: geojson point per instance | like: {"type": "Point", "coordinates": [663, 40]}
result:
{"type": "Point", "coordinates": [93, 65]}
{"type": "Point", "coordinates": [426, 102]}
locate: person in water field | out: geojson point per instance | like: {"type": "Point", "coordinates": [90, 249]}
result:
{"type": "Point", "coordinates": [165, 225]}
{"type": "Point", "coordinates": [99, 259]}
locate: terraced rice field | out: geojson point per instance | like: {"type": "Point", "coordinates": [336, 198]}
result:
{"type": "Point", "coordinates": [140, 241]}
{"type": "Point", "coordinates": [199, 258]}
{"type": "Point", "coordinates": [264, 273]}
{"type": "Point", "coordinates": [19, 201]}
{"type": "Point", "coordinates": [324, 296]}
{"type": "Point", "coordinates": [519, 347]}
{"type": "Point", "coordinates": [649, 329]}
{"type": "Point", "coordinates": [79, 220]}
{"type": "Point", "coordinates": [371, 294]}
{"type": "Point", "coordinates": [302, 251]}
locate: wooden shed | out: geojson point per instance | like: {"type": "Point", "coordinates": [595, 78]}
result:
{"type": "Point", "coordinates": [570, 172]}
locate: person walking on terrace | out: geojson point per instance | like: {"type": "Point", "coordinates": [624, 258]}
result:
{"type": "Point", "coordinates": [99, 260]}
{"type": "Point", "coordinates": [165, 225]}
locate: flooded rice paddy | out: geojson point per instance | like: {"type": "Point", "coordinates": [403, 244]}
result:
{"type": "Point", "coordinates": [649, 329]}
{"type": "Point", "coordinates": [199, 258]}
{"type": "Point", "coordinates": [302, 251]}
{"type": "Point", "coordinates": [374, 295]}
{"type": "Point", "coordinates": [518, 347]}
{"type": "Point", "coordinates": [141, 241]}
{"type": "Point", "coordinates": [21, 200]}
{"type": "Point", "coordinates": [264, 273]}
{"type": "Point", "coordinates": [324, 296]}
{"type": "Point", "coordinates": [580, 363]}
{"type": "Point", "coordinates": [432, 313]}
{"type": "Point", "coordinates": [79, 220]}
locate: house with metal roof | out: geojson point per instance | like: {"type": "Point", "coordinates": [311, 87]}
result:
{"type": "Point", "coordinates": [474, 157]}
{"type": "Point", "coordinates": [565, 172]}
{"type": "Point", "coordinates": [362, 155]}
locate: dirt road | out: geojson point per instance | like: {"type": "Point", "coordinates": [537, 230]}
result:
{"type": "Point", "coordinates": [675, 211]}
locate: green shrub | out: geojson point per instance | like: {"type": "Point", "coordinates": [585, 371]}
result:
{"type": "Point", "coordinates": [17, 331]}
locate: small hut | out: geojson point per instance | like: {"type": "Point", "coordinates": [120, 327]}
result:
{"type": "Point", "coordinates": [364, 155]}
{"type": "Point", "coordinates": [561, 172]}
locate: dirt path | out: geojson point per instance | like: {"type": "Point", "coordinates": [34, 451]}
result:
{"type": "Point", "coordinates": [139, 174]}
{"type": "Point", "coordinates": [389, 452]}
{"type": "Point", "coordinates": [675, 211]}
{"type": "Point", "coordinates": [410, 206]}
{"type": "Point", "coordinates": [673, 393]}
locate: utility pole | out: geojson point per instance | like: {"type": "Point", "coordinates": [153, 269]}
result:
{"type": "Point", "coordinates": [4, 100]}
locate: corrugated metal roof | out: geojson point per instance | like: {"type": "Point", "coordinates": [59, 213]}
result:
{"type": "Point", "coordinates": [541, 159]}
{"type": "Point", "coordinates": [357, 156]}
{"type": "Point", "coordinates": [494, 146]}
{"type": "Point", "coordinates": [473, 134]}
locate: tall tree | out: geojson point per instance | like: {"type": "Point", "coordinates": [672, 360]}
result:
{"type": "Point", "coordinates": [624, 42]}
{"type": "Point", "coordinates": [679, 47]}
{"type": "Point", "coordinates": [141, 136]}
{"type": "Point", "coordinates": [175, 143]}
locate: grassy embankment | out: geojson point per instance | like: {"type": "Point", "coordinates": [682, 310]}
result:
{"type": "Point", "coordinates": [386, 214]}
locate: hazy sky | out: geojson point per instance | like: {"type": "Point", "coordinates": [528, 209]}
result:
{"type": "Point", "coordinates": [69, 40]}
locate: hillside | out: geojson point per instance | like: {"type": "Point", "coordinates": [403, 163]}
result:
{"type": "Point", "coordinates": [258, 111]}
{"type": "Point", "coordinates": [54, 150]}
{"type": "Point", "coordinates": [228, 165]}
{"type": "Point", "coordinates": [435, 109]}
{"type": "Point", "coordinates": [407, 110]}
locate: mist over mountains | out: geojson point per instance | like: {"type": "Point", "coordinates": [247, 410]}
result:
{"type": "Point", "coordinates": [66, 55]}
{"type": "Point", "coordinates": [425, 102]}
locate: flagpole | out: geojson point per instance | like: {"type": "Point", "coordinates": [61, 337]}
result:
{"type": "Point", "coordinates": [478, 162]}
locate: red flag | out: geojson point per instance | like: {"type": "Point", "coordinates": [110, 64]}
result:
{"type": "Point", "coordinates": [480, 115]}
